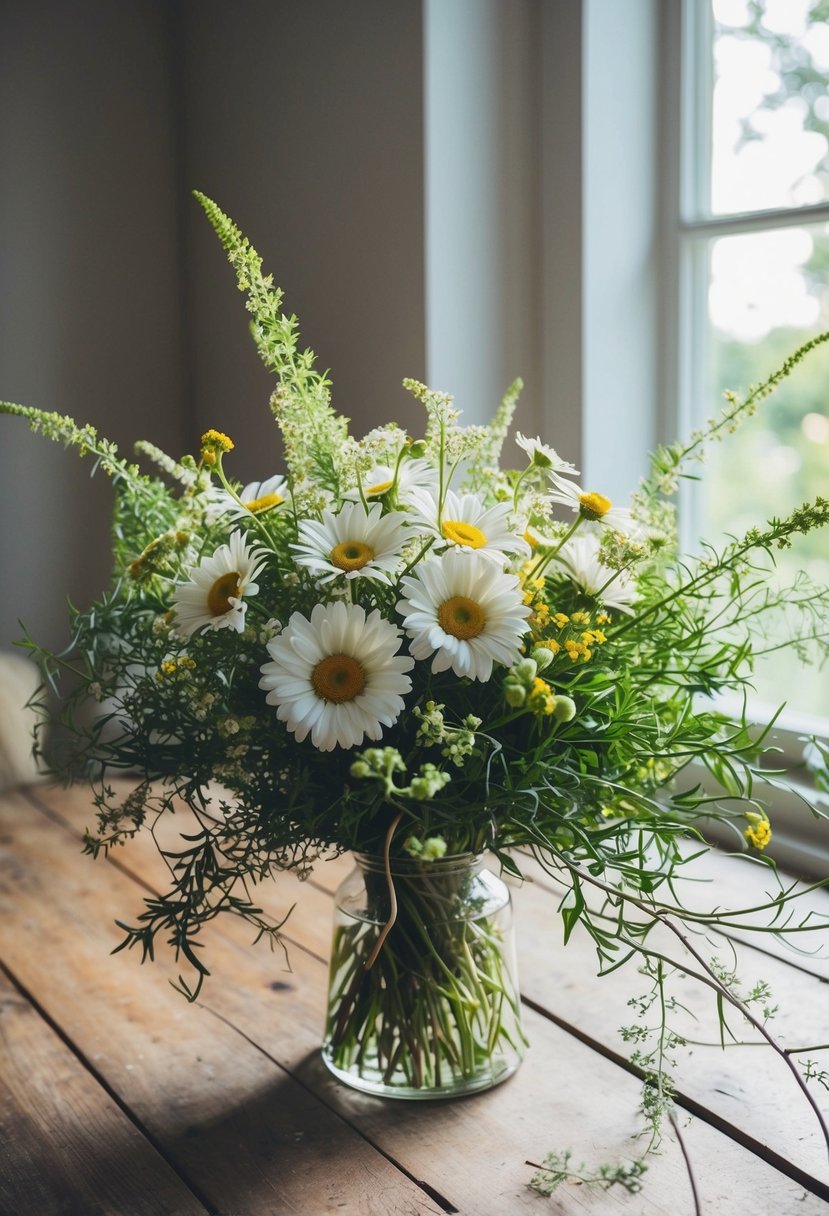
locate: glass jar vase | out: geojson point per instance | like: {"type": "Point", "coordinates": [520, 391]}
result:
{"type": "Point", "coordinates": [435, 1011]}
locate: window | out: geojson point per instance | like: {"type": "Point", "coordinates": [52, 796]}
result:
{"type": "Point", "coordinates": [753, 279]}
{"type": "Point", "coordinates": [746, 281]}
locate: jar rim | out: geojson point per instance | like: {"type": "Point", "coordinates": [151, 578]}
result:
{"type": "Point", "coordinates": [376, 864]}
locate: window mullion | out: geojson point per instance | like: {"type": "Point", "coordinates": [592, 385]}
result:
{"type": "Point", "coordinates": [755, 221]}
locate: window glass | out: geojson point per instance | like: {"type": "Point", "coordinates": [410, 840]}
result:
{"type": "Point", "coordinates": [758, 286]}
{"type": "Point", "coordinates": [769, 293]}
{"type": "Point", "coordinates": [770, 106]}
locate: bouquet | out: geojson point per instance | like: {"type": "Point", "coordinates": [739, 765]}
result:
{"type": "Point", "coordinates": [401, 648]}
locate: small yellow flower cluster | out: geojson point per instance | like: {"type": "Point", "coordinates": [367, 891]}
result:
{"type": "Point", "coordinates": [171, 668]}
{"type": "Point", "coordinates": [758, 832]}
{"type": "Point", "coordinates": [156, 553]}
{"type": "Point", "coordinates": [577, 645]}
{"type": "Point", "coordinates": [534, 597]}
{"type": "Point", "coordinates": [541, 699]}
{"type": "Point", "coordinates": [213, 444]}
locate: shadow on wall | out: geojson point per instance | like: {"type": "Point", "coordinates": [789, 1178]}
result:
{"type": "Point", "coordinates": [116, 303]}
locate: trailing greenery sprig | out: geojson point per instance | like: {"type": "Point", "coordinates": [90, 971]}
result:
{"type": "Point", "coordinates": [400, 648]}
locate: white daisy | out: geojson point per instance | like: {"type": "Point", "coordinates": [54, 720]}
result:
{"type": "Point", "coordinates": [415, 473]}
{"type": "Point", "coordinates": [464, 612]}
{"type": "Point", "coordinates": [213, 597]}
{"type": "Point", "coordinates": [580, 560]}
{"type": "Point", "coordinates": [353, 542]}
{"type": "Point", "coordinates": [337, 675]}
{"type": "Point", "coordinates": [543, 456]}
{"type": "Point", "coordinates": [467, 524]}
{"type": "Point", "coordinates": [256, 498]}
{"type": "Point", "coordinates": [594, 507]}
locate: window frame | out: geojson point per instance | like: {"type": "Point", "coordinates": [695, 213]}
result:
{"type": "Point", "coordinates": [687, 226]}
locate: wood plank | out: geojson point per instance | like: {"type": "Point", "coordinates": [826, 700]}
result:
{"type": "Point", "coordinates": [743, 1088]}
{"type": "Point", "coordinates": [530, 1114]}
{"type": "Point", "coordinates": [747, 1088]}
{"type": "Point", "coordinates": [66, 1145]}
{"type": "Point", "coordinates": [254, 1139]}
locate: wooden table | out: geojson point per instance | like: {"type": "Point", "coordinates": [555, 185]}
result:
{"type": "Point", "coordinates": [118, 1097]}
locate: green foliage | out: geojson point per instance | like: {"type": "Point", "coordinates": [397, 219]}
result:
{"type": "Point", "coordinates": [583, 748]}
{"type": "Point", "coordinates": [557, 1168]}
{"type": "Point", "coordinates": [312, 432]}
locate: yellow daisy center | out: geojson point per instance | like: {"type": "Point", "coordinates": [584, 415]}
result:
{"type": "Point", "coordinates": [219, 595]}
{"type": "Point", "coordinates": [338, 678]}
{"type": "Point", "coordinates": [380, 488]}
{"type": "Point", "coordinates": [462, 533]}
{"type": "Point", "coordinates": [258, 505]}
{"type": "Point", "coordinates": [593, 505]}
{"type": "Point", "coordinates": [461, 617]}
{"type": "Point", "coordinates": [351, 555]}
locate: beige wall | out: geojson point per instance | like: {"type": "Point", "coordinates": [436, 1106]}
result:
{"type": "Point", "coordinates": [116, 304]}
{"type": "Point", "coordinates": [394, 161]}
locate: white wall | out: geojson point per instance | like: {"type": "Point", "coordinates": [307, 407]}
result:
{"type": "Point", "coordinates": [483, 199]}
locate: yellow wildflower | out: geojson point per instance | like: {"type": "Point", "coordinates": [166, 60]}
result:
{"type": "Point", "coordinates": [580, 618]}
{"type": "Point", "coordinates": [213, 444]}
{"type": "Point", "coordinates": [541, 699]}
{"type": "Point", "coordinates": [561, 619]}
{"type": "Point", "coordinates": [540, 616]}
{"type": "Point", "coordinates": [173, 667]}
{"type": "Point", "coordinates": [758, 834]}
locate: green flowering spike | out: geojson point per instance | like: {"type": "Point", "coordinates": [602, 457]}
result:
{"type": "Point", "coordinates": [441, 414]}
{"type": "Point", "coordinates": [173, 468]}
{"type": "Point", "coordinates": [62, 429]}
{"type": "Point", "coordinates": [669, 463]}
{"type": "Point", "coordinates": [312, 432]}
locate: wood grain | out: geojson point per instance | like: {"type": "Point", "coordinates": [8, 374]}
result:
{"type": "Point", "coordinates": [472, 1151]}
{"type": "Point", "coordinates": [227, 1115]}
{"type": "Point", "coordinates": [65, 1146]}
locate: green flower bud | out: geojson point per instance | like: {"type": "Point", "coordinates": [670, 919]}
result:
{"type": "Point", "coordinates": [434, 847]}
{"type": "Point", "coordinates": [525, 670]}
{"type": "Point", "coordinates": [564, 709]}
{"type": "Point", "coordinates": [543, 657]}
{"type": "Point", "coordinates": [514, 694]}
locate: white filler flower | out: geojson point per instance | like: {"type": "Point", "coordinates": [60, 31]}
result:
{"type": "Point", "coordinates": [469, 615]}
{"type": "Point", "coordinates": [580, 560]}
{"type": "Point", "coordinates": [337, 675]}
{"type": "Point", "coordinates": [354, 542]}
{"type": "Point", "coordinates": [466, 523]}
{"type": "Point", "coordinates": [213, 596]}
